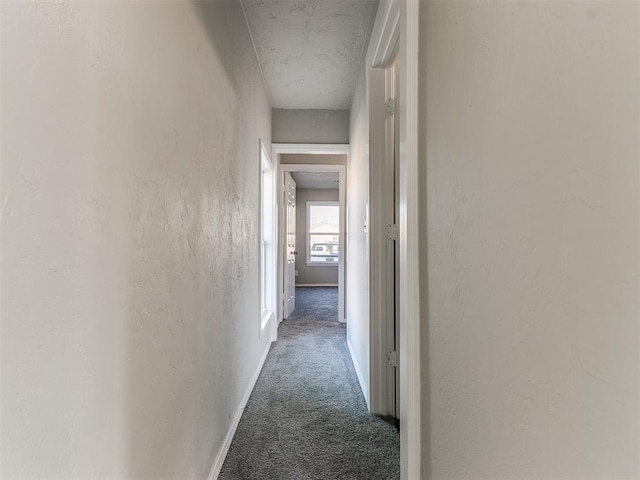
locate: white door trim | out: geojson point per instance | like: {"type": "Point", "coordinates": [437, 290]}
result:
{"type": "Point", "coordinates": [398, 19]}
{"type": "Point", "coordinates": [410, 361]}
{"type": "Point", "coordinates": [316, 149]}
{"type": "Point", "coordinates": [310, 149]}
{"type": "Point", "coordinates": [385, 34]}
{"type": "Point", "coordinates": [381, 199]}
{"type": "Point", "coordinates": [382, 271]}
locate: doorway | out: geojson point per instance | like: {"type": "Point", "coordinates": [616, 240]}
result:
{"type": "Point", "coordinates": [312, 213]}
{"type": "Point", "coordinates": [312, 233]}
{"type": "Point", "coordinates": [384, 279]}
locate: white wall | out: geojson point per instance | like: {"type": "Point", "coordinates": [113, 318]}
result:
{"type": "Point", "coordinates": [531, 143]}
{"type": "Point", "coordinates": [311, 274]}
{"type": "Point", "coordinates": [357, 303]}
{"type": "Point", "coordinates": [129, 219]}
{"type": "Point", "coordinates": [310, 126]}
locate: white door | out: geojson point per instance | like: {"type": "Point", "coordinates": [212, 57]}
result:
{"type": "Point", "coordinates": [290, 245]}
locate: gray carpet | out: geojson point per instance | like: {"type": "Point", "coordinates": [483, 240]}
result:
{"type": "Point", "coordinates": [306, 417]}
{"type": "Point", "coordinates": [316, 303]}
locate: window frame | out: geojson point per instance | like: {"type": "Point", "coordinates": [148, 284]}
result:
{"type": "Point", "coordinates": [320, 203]}
{"type": "Point", "coordinates": [267, 240]}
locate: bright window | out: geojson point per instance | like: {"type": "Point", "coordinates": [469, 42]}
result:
{"type": "Point", "coordinates": [267, 239]}
{"type": "Point", "coordinates": [323, 233]}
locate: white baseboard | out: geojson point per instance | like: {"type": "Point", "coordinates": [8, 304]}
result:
{"type": "Point", "coordinates": [222, 453]}
{"type": "Point", "coordinates": [363, 385]}
{"type": "Point", "coordinates": [316, 284]}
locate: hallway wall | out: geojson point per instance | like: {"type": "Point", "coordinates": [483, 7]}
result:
{"type": "Point", "coordinates": [357, 306]}
{"type": "Point", "coordinates": [310, 126]}
{"type": "Point", "coordinates": [530, 143]}
{"type": "Point", "coordinates": [130, 162]}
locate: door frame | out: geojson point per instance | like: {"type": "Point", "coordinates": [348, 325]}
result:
{"type": "Point", "coordinates": [316, 149]}
{"type": "Point", "coordinates": [396, 31]}
{"type": "Point", "coordinates": [267, 316]}
{"type": "Point", "coordinates": [384, 245]}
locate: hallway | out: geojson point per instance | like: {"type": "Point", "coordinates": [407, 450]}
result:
{"type": "Point", "coordinates": [306, 417]}
{"type": "Point", "coordinates": [488, 255]}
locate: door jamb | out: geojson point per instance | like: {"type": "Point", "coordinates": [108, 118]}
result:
{"type": "Point", "coordinates": [397, 23]}
{"type": "Point", "coordinates": [381, 200]}
{"type": "Point", "coordinates": [317, 149]}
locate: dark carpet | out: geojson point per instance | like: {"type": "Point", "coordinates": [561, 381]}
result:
{"type": "Point", "coordinates": [306, 417]}
{"type": "Point", "coordinates": [316, 303]}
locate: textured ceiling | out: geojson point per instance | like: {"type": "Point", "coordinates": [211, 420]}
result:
{"type": "Point", "coordinates": [322, 180]}
{"type": "Point", "coordinates": [310, 50]}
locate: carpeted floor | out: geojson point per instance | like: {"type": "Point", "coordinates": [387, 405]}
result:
{"type": "Point", "coordinates": [316, 303]}
{"type": "Point", "coordinates": [306, 417]}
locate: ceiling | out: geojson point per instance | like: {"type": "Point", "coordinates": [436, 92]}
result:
{"type": "Point", "coordinates": [321, 180]}
{"type": "Point", "coordinates": [310, 50]}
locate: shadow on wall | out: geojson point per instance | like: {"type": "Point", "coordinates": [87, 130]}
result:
{"type": "Point", "coordinates": [130, 255]}
{"type": "Point", "coordinates": [216, 18]}
{"type": "Point", "coordinates": [191, 267]}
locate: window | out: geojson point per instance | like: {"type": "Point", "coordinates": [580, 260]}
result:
{"type": "Point", "coordinates": [267, 239]}
{"type": "Point", "coordinates": [323, 233]}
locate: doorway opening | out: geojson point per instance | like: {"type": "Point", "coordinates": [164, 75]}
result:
{"type": "Point", "coordinates": [384, 170]}
{"type": "Point", "coordinates": [312, 213]}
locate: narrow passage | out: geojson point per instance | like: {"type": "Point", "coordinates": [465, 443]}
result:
{"type": "Point", "coordinates": [306, 417]}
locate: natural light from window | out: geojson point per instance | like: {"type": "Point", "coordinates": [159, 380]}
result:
{"type": "Point", "coordinates": [323, 233]}
{"type": "Point", "coordinates": [267, 239]}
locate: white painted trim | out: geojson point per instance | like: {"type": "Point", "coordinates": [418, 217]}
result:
{"type": "Point", "coordinates": [398, 19]}
{"type": "Point", "coordinates": [311, 148]}
{"type": "Point", "coordinates": [267, 156]}
{"type": "Point", "coordinates": [224, 448]}
{"type": "Point", "coordinates": [267, 165]}
{"type": "Point", "coordinates": [380, 199]}
{"type": "Point", "coordinates": [265, 320]}
{"type": "Point", "coordinates": [356, 366]}
{"type": "Point", "coordinates": [310, 167]}
{"type": "Point", "coordinates": [410, 360]}
{"type": "Point", "coordinates": [384, 35]}
{"type": "Point", "coordinates": [382, 271]}
{"type": "Point", "coordinates": [316, 285]}
{"type": "Point", "coordinates": [336, 149]}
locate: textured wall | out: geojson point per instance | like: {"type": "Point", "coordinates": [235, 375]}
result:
{"type": "Point", "coordinates": [310, 126]}
{"type": "Point", "coordinates": [532, 152]}
{"type": "Point", "coordinates": [129, 235]}
{"type": "Point", "coordinates": [309, 275]}
{"type": "Point", "coordinates": [357, 306]}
